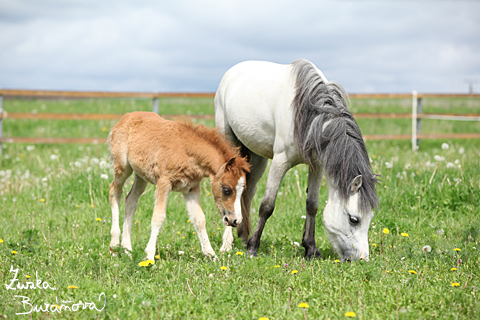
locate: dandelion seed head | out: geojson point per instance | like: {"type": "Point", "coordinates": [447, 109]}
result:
{"type": "Point", "coordinates": [427, 248]}
{"type": "Point", "coordinates": [445, 146]}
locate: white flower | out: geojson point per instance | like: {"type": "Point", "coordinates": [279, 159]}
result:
{"type": "Point", "coordinates": [104, 176]}
{"type": "Point", "coordinates": [78, 164]}
{"type": "Point", "coordinates": [53, 157]}
{"type": "Point", "coordinates": [456, 161]}
{"type": "Point", "coordinates": [461, 150]}
{"type": "Point", "coordinates": [303, 217]}
{"type": "Point", "coordinates": [30, 148]}
{"type": "Point", "coordinates": [438, 158]}
{"type": "Point", "coordinates": [114, 296]}
{"type": "Point", "coordinates": [427, 248]}
{"type": "Point", "coordinates": [103, 164]}
{"type": "Point", "coordinates": [95, 161]}
{"type": "Point", "coordinates": [181, 253]}
{"type": "Point", "coordinates": [440, 232]}
{"type": "Point", "coordinates": [450, 165]}
{"type": "Point", "coordinates": [44, 180]}
{"type": "Point", "coordinates": [296, 244]}
{"type": "Point", "coordinates": [210, 276]}
{"type": "Point", "coordinates": [445, 146]}
{"type": "Point", "coordinates": [2, 173]}
{"type": "Point", "coordinates": [388, 165]}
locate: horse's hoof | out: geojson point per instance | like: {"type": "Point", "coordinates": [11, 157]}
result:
{"type": "Point", "coordinates": [252, 254]}
{"type": "Point", "coordinates": [316, 255]}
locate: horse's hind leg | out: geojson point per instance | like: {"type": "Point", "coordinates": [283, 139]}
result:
{"type": "Point", "coordinates": [159, 215]}
{"type": "Point", "coordinates": [308, 241]}
{"type": "Point", "coordinates": [131, 204]}
{"type": "Point", "coordinates": [192, 201]}
{"type": "Point", "coordinates": [122, 172]}
{"type": "Point", "coordinates": [280, 166]}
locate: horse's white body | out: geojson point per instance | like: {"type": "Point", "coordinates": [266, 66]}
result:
{"type": "Point", "coordinates": [253, 108]}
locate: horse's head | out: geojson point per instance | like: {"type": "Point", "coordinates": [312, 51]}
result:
{"type": "Point", "coordinates": [347, 222]}
{"type": "Point", "coordinates": [227, 187]}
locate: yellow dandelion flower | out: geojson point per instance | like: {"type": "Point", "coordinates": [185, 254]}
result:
{"type": "Point", "coordinates": [104, 129]}
{"type": "Point", "coordinates": [263, 318]}
{"type": "Point", "coordinates": [98, 219]}
{"type": "Point", "coordinates": [239, 253]}
{"type": "Point", "coordinates": [92, 206]}
{"type": "Point", "coordinates": [143, 264]}
{"type": "Point", "coordinates": [150, 261]}
{"type": "Point", "coordinates": [213, 233]}
{"type": "Point", "coordinates": [455, 284]}
{"type": "Point", "coordinates": [276, 266]}
{"type": "Point", "coordinates": [1, 240]}
{"type": "Point", "coordinates": [219, 228]}
{"type": "Point", "coordinates": [223, 268]}
{"type": "Point", "coordinates": [303, 305]}
{"type": "Point", "coordinates": [72, 287]}
{"type": "Point", "coordinates": [79, 206]}
{"type": "Point", "coordinates": [453, 269]}
{"type": "Point", "coordinates": [157, 257]}
{"type": "Point", "coordinates": [457, 249]}
{"type": "Point", "coordinates": [28, 277]}
{"type": "Point", "coordinates": [183, 237]}
{"type": "Point", "coordinates": [294, 271]}
{"type": "Point", "coordinates": [42, 200]}
{"type": "Point", "coordinates": [14, 252]}
{"type": "Point", "coordinates": [178, 232]}
{"type": "Point", "coordinates": [350, 314]}
{"type": "Point", "coordinates": [336, 261]}
{"type": "Point", "coordinates": [412, 271]}
{"type": "Point", "coordinates": [188, 221]}
{"type": "Point", "coordinates": [208, 193]}
{"type": "Point", "coordinates": [194, 232]}
{"type": "Point", "coordinates": [374, 156]}
{"type": "Point", "coordinates": [386, 231]}
{"type": "Point", "coordinates": [403, 234]}
{"type": "Point", "coordinates": [388, 271]}
{"type": "Point", "coordinates": [374, 245]}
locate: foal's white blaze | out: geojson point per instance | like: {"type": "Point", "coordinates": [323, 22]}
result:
{"type": "Point", "coordinates": [238, 203]}
{"type": "Point", "coordinates": [349, 240]}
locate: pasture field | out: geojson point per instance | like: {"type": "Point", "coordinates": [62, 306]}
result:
{"type": "Point", "coordinates": [55, 229]}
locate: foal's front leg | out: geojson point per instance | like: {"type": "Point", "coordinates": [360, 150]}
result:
{"type": "Point", "coordinates": [195, 213]}
{"type": "Point", "coordinates": [159, 216]}
{"type": "Point", "coordinates": [227, 239]}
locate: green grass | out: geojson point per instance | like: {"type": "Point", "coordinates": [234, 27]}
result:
{"type": "Point", "coordinates": [60, 240]}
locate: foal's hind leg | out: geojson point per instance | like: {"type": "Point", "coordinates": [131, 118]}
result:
{"type": "Point", "coordinates": [159, 216]}
{"type": "Point", "coordinates": [196, 215]}
{"type": "Point", "coordinates": [308, 241]}
{"type": "Point", "coordinates": [121, 174]}
{"type": "Point", "coordinates": [280, 166]}
{"type": "Point", "coordinates": [131, 204]}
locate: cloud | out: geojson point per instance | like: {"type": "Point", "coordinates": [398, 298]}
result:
{"type": "Point", "coordinates": [188, 45]}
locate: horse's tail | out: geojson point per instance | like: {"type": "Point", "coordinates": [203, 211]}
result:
{"type": "Point", "coordinates": [316, 101]}
{"type": "Point", "coordinates": [244, 231]}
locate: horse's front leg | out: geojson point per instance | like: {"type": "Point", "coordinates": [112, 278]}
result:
{"type": "Point", "coordinates": [196, 215]}
{"type": "Point", "coordinates": [279, 167]}
{"type": "Point", "coordinates": [308, 241]}
{"type": "Point", "coordinates": [159, 216]}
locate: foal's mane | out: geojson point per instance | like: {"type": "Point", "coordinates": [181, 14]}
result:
{"type": "Point", "coordinates": [219, 141]}
{"type": "Point", "coordinates": [339, 147]}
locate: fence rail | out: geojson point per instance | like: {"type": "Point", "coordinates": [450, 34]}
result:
{"type": "Point", "coordinates": [416, 114]}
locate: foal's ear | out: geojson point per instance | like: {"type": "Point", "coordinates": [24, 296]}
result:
{"type": "Point", "coordinates": [229, 164]}
{"type": "Point", "coordinates": [356, 184]}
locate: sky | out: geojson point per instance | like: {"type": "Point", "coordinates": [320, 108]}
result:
{"type": "Point", "coordinates": [187, 46]}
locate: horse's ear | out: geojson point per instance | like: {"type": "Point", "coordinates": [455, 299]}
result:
{"type": "Point", "coordinates": [229, 164]}
{"type": "Point", "coordinates": [356, 184]}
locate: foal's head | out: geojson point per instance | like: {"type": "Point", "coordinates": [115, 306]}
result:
{"type": "Point", "coordinates": [227, 187]}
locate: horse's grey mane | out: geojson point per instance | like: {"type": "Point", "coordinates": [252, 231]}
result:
{"type": "Point", "coordinates": [340, 147]}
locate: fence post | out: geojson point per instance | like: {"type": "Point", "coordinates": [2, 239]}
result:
{"type": "Point", "coordinates": [414, 120]}
{"type": "Point", "coordinates": [155, 105]}
{"type": "Point", "coordinates": [1, 124]}
{"type": "Point", "coordinates": [419, 118]}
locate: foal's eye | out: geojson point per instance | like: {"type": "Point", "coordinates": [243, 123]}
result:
{"type": "Point", "coordinates": [353, 219]}
{"type": "Point", "coordinates": [227, 191]}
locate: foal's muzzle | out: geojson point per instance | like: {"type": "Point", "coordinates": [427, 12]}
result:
{"type": "Point", "coordinates": [230, 223]}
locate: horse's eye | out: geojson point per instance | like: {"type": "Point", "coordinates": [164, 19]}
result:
{"type": "Point", "coordinates": [227, 191]}
{"type": "Point", "coordinates": [353, 219]}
